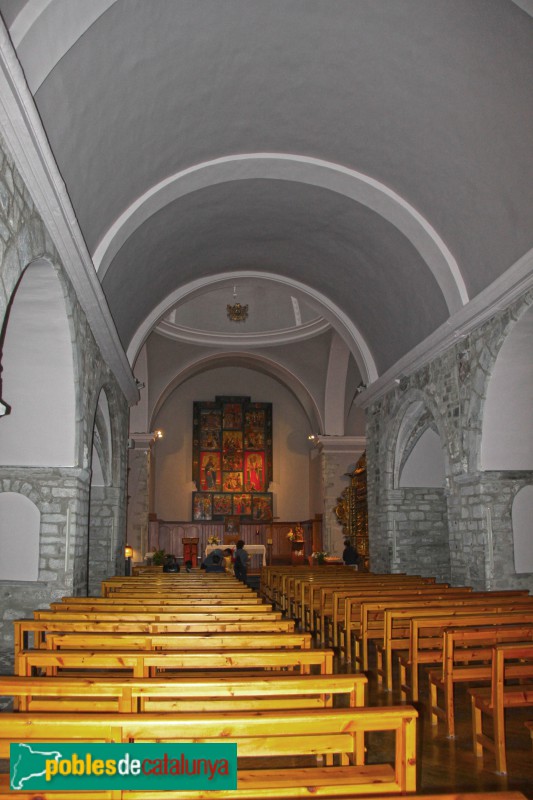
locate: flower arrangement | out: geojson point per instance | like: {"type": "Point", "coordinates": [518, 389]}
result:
{"type": "Point", "coordinates": [319, 556]}
{"type": "Point", "coordinates": [213, 540]}
{"type": "Point", "coordinates": [158, 557]}
{"type": "Point", "coordinates": [296, 535]}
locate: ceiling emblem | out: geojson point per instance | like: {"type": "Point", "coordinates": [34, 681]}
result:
{"type": "Point", "coordinates": [236, 312]}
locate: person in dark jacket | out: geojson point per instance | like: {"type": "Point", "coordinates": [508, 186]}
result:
{"type": "Point", "coordinates": [349, 554]}
{"type": "Point", "coordinates": [171, 564]}
{"type": "Point", "coordinates": [241, 562]}
{"type": "Point", "coordinates": [216, 565]}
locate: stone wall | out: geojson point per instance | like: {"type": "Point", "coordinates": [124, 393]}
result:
{"type": "Point", "coordinates": [62, 495]}
{"type": "Point", "coordinates": [420, 540]}
{"type": "Point", "coordinates": [452, 388]}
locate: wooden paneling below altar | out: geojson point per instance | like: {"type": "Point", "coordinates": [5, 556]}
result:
{"type": "Point", "coordinates": [168, 535]}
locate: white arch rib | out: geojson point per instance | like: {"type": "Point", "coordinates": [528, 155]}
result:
{"type": "Point", "coordinates": [299, 169]}
{"type": "Point", "coordinates": [44, 30]}
{"type": "Point", "coordinates": [337, 318]}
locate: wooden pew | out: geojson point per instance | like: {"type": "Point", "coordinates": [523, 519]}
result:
{"type": "Point", "coordinates": [508, 661]}
{"type": "Point", "coordinates": [335, 609]}
{"type": "Point", "coordinates": [214, 606]}
{"type": "Point", "coordinates": [181, 641]}
{"type": "Point", "coordinates": [260, 735]}
{"type": "Point", "coordinates": [150, 664]}
{"type": "Point", "coordinates": [176, 590]}
{"type": "Point", "coordinates": [466, 654]}
{"type": "Point", "coordinates": [316, 597]}
{"type": "Point", "coordinates": [289, 793]}
{"type": "Point", "coordinates": [371, 625]}
{"type": "Point", "coordinates": [287, 580]}
{"type": "Point", "coordinates": [24, 628]}
{"type": "Point", "coordinates": [175, 598]}
{"type": "Point", "coordinates": [193, 693]}
{"type": "Point", "coordinates": [426, 637]}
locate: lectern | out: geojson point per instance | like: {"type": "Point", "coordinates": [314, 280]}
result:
{"type": "Point", "coordinates": [190, 550]}
{"type": "Point", "coordinates": [297, 552]}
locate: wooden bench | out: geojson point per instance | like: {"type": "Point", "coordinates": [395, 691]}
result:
{"type": "Point", "coordinates": [181, 641]}
{"type": "Point", "coordinates": [212, 606]}
{"type": "Point", "coordinates": [307, 589]}
{"type": "Point", "coordinates": [150, 664]}
{"type": "Point", "coordinates": [320, 735]}
{"type": "Point", "coordinates": [38, 629]}
{"type": "Point", "coordinates": [466, 654]}
{"type": "Point", "coordinates": [331, 613]}
{"type": "Point", "coordinates": [175, 590]}
{"type": "Point", "coordinates": [509, 661]}
{"type": "Point", "coordinates": [373, 626]}
{"type": "Point", "coordinates": [316, 599]}
{"type": "Point", "coordinates": [287, 581]}
{"type": "Point", "coordinates": [427, 632]}
{"type": "Point", "coordinates": [168, 614]}
{"type": "Point", "coordinates": [194, 693]}
{"type": "Point", "coordinates": [365, 620]}
{"type": "Point", "coordinates": [327, 608]}
{"type": "Point", "coordinates": [154, 600]}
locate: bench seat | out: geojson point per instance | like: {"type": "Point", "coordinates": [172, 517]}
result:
{"type": "Point", "coordinates": [315, 734]}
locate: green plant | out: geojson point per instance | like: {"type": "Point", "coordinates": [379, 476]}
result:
{"type": "Point", "coordinates": [158, 557]}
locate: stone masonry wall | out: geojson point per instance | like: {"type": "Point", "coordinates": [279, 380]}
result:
{"type": "Point", "coordinates": [453, 389]}
{"type": "Point", "coordinates": [62, 495]}
{"type": "Point", "coordinates": [421, 537]}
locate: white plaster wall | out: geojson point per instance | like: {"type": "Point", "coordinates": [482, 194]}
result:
{"type": "Point", "coordinates": [507, 441]}
{"type": "Point", "coordinates": [37, 378]}
{"type": "Point", "coordinates": [425, 464]}
{"type": "Point", "coordinates": [173, 453]}
{"type": "Point", "coordinates": [19, 538]}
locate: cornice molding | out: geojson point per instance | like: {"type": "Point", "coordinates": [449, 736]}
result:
{"type": "Point", "coordinates": [238, 339]}
{"type": "Point", "coordinates": [328, 445]}
{"type": "Point", "coordinates": [142, 441]}
{"type": "Point", "coordinates": [25, 137]}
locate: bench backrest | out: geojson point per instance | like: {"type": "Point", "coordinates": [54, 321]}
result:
{"type": "Point", "coordinates": [182, 641]}
{"type": "Point", "coordinates": [144, 664]}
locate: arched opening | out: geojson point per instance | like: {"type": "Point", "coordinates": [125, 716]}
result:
{"type": "Point", "coordinates": [420, 535]}
{"type": "Point", "coordinates": [37, 374]}
{"type": "Point", "coordinates": [507, 439]}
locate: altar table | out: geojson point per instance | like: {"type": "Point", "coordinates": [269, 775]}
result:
{"type": "Point", "coordinates": [252, 549]}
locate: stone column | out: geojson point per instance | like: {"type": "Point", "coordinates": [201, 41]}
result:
{"type": "Point", "coordinates": [139, 492]}
{"type": "Point", "coordinates": [338, 455]}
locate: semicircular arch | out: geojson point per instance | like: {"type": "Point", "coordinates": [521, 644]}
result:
{"type": "Point", "coordinates": [261, 363]}
{"type": "Point", "coordinates": [300, 169]}
{"type": "Point", "coordinates": [330, 311]}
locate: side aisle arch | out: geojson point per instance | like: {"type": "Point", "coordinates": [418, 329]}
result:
{"type": "Point", "coordinates": [416, 501]}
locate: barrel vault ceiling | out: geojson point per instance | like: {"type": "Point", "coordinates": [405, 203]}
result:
{"type": "Point", "coordinates": [364, 165]}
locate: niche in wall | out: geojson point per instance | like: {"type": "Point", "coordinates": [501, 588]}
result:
{"type": "Point", "coordinates": [20, 521]}
{"type": "Point", "coordinates": [522, 514]}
